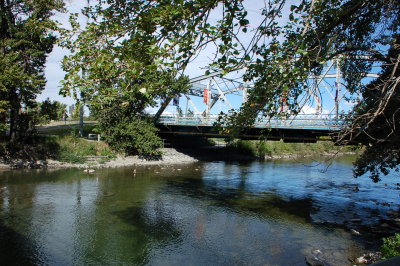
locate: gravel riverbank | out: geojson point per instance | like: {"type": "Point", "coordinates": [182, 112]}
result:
{"type": "Point", "coordinates": [170, 156]}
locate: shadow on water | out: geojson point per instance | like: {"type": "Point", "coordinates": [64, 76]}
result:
{"type": "Point", "coordinates": [160, 227]}
{"type": "Point", "coordinates": [264, 204]}
{"type": "Point", "coordinates": [147, 231]}
{"type": "Point", "coordinates": [16, 249]}
{"type": "Point", "coordinates": [202, 214]}
{"type": "Point", "coordinates": [211, 154]}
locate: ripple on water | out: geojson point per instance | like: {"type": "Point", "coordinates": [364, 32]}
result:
{"type": "Point", "coordinates": [207, 213]}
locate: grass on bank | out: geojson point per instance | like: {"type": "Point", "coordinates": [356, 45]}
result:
{"type": "Point", "coordinates": [67, 130]}
{"type": "Point", "coordinates": [270, 148]}
{"type": "Point", "coordinates": [58, 143]}
{"type": "Point", "coordinates": [73, 149]}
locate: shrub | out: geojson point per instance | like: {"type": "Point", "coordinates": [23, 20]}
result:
{"type": "Point", "coordinates": [128, 132]}
{"type": "Point", "coordinates": [263, 149]}
{"type": "Point", "coordinates": [391, 246]}
{"type": "Point", "coordinates": [242, 147]}
{"type": "Point", "coordinates": [70, 156]}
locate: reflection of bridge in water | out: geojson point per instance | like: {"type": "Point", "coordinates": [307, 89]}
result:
{"type": "Point", "coordinates": [300, 128]}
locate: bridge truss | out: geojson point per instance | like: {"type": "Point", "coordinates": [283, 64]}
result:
{"type": "Point", "coordinates": [210, 95]}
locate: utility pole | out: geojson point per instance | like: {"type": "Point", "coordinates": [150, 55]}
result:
{"type": "Point", "coordinates": [81, 109]}
{"type": "Point", "coordinates": [337, 95]}
{"type": "Point", "coordinates": [81, 120]}
{"type": "Point", "coordinates": [208, 97]}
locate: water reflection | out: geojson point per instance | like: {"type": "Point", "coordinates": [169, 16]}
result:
{"type": "Point", "coordinates": [212, 213]}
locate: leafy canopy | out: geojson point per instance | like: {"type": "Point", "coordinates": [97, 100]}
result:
{"type": "Point", "coordinates": [51, 110]}
{"type": "Point", "coordinates": [26, 37]}
{"type": "Point", "coordinates": [129, 42]}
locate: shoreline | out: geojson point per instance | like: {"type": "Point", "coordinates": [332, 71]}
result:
{"type": "Point", "coordinates": [171, 156]}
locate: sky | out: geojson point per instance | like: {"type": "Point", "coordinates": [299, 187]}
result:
{"type": "Point", "coordinates": [54, 73]}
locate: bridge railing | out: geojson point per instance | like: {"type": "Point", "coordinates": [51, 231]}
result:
{"type": "Point", "coordinates": [302, 121]}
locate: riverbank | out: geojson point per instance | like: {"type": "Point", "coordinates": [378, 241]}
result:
{"type": "Point", "coordinates": [284, 150]}
{"type": "Point", "coordinates": [169, 156]}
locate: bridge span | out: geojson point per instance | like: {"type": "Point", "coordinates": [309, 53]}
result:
{"type": "Point", "coordinates": [300, 128]}
{"type": "Point", "coordinates": [323, 103]}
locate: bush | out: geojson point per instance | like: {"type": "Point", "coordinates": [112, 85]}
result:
{"type": "Point", "coordinates": [73, 149]}
{"type": "Point", "coordinates": [70, 156]}
{"type": "Point", "coordinates": [129, 133]}
{"type": "Point", "coordinates": [245, 147]}
{"type": "Point", "coordinates": [391, 246]}
{"type": "Point", "coordinates": [263, 149]}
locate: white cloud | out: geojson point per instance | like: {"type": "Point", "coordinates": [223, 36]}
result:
{"type": "Point", "coordinates": [311, 110]}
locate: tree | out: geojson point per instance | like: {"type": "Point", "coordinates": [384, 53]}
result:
{"type": "Point", "coordinates": [127, 133]}
{"type": "Point", "coordinates": [52, 110]}
{"type": "Point", "coordinates": [25, 40]}
{"type": "Point", "coordinates": [280, 55]}
{"type": "Point", "coordinates": [109, 72]}
{"type": "Point", "coordinates": [3, 111]}
{"type": "Point", "coordinates": [376, 120]}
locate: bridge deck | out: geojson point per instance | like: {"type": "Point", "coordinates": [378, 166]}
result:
{"type": "Point", "coordinates": [300, 128]}
{"type": "Point", "coordinates": [305, 122]}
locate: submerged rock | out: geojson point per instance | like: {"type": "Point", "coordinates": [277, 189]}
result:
{"type": "Point", "coordinates": [89, 171]}
{"type": "Point", "coordinates": [314, 261]}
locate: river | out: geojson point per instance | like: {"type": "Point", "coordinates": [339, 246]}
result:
{"type": "Point", "coordinates": [212, 213]}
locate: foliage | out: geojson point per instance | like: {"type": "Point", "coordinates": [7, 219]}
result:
{"type": "Point", "coordinates": [243, 147]}
{"type": "Point", "coordinates": [3, 125]}
{"type": "Point", "coordinates": [3, 110]}
{"type": "Point", "coordinates": [52, 110]}
{"type": "Point", "coordinates": [73, 149]}
{"type": "Point", "coordinates": [376, 121]}
{"type": "Point", "coordinates": [76, 111]}
{"type": "Point", "coordinates": [264, 149]}
{"type": "Point", "coordinates": [127, 131]}
{"type": "Point", "coordinates": [63, 145]}
{"type": "Point", "coordinates": [31, 148]}
{"type": "Point", "coordinates": [137, 49]}
{"type": "Point", "coordinates": [391, 246]}
{"type": "Point", "coordinates": [119, 72]}
{"type": "Point", "coordinates": [25, 40]}
{"type": "Point", "coordinates": [112, 62]}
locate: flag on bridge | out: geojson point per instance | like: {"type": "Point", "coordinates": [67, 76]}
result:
{"type": "Point", "coordinates": [337, 91]}
{"type": "Point", "coordinates": [206, 96]}
{"type": "Point", "coordinates": [175, 101]}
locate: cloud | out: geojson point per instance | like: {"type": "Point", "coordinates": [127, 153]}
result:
{"type": "Point", "coordinates": [311, 110]}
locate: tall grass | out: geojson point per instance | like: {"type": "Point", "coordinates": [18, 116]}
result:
{"type": "Point", "coordinates": [270, 148]}
{"type": "Point", "coordinates": [73, 149]}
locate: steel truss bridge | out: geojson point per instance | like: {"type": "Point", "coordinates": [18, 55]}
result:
{"type": "Point", "coordinates": [196, 112]}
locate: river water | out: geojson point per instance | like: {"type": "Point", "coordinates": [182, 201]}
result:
{"type": "Point", "coordinates": [214, 213]}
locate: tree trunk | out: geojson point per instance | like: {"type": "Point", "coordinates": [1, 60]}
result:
{"type": "Point", "coordinates": [162, 108]}
{"type": "Point", "coordinates": [15, 106]}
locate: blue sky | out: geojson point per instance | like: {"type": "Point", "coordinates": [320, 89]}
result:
{"type": "Point", "coordinates": [54, 74]}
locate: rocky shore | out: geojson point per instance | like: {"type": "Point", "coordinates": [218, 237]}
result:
{"type": "Point", "coordinates": [170, 156]}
